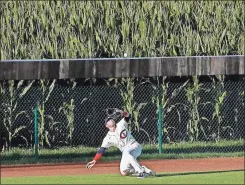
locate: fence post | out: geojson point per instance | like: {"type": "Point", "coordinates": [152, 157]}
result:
{"type": "Point", "coordinates": [160, 122]}
{"type": "Point", "coordinates": [36, 132]}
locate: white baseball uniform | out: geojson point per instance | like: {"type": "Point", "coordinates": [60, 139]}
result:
{"type": "Point", "coordinates": [127, 144]}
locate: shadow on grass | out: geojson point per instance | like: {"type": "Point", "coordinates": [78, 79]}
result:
{"type": "Point", "coordinates": [198, 149]}
{"type": "Point", "coordinates": [195, 173]}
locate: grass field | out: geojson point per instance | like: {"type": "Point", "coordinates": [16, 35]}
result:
{"type": "Point", "coordinates": [224, 177]}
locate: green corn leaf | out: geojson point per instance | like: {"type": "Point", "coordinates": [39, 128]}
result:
{"type": "Point", "coordinates": [20, 84]}
{"type": "Point", "coordinates": [142, 26]}
{"type": "Point", "coordinates": [221, 98]}
{"type": "Point", "coordinates": [46, 138]}
{"type": "Point", "coordinates": [26, 89]}
{"type": "Point", "coordinates": [107, 17]}
{"type": "Point", "coordinates": [203, 118]}
{"type": "Point", "coordinates": [17, 130]}
{"type": "Point", "coordinates": [140, 106]}
{"type": "Point", "coordinates": [55, 123]}
{"type": "Point", "coordinates": [222, 36]}
{"type": "Point", "coordinates": [24, 138]}
{"type": "Point", "coordinates": [20, 113]}
{"type": "Point", "coordinates": [50, 118]}
{"type": "Point", "coordinates": [98, 38]}
{"type": "Point", "coordinates": [216, 108]}
{"type": "Point", "coordinates": [51, 88]}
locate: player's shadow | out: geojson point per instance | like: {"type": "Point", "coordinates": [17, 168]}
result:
{"type": "Point", "coordinates": [191, 173]}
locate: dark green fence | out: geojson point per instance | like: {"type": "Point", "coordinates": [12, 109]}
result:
{"type": "Point", "coordinates": [199, 114]}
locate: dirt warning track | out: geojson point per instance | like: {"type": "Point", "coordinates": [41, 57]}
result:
{"type": "Point", "coordinates": [166, 165]}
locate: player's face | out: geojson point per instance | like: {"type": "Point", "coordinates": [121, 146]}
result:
{"type": "Point", "coordinates": [110, 124]}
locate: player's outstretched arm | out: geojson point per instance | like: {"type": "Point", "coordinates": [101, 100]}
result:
{"type": "Point", "coordinates": [96, 157]}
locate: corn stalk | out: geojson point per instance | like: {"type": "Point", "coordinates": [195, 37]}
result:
{"type": "Point", "coordinates": [165, 102]}
{"type": "Point", "coordinates": [193, 98]}
{"type": "Point", "coordinates": [68, 110]}
{"type": "Point", "coordinates": [45, 122]}
{"type": "Point", "coordinates": [9, 109]}
{"type": "Point", "coordinates": [129, 104]}
{"type": "Point", "coordinates": [220, 95]}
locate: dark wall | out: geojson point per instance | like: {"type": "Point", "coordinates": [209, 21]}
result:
{"type": "Point", "coordinates": [121, 67]}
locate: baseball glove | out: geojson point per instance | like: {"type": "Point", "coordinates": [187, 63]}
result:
{"type": "Point", "coordinates": [114, 113]}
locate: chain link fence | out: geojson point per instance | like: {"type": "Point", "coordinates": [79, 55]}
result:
{"type": "Point", "coordinates": [71, 113]}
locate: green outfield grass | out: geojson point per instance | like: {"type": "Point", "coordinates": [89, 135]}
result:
{"type": "Point", "coordinates": [228, 177]}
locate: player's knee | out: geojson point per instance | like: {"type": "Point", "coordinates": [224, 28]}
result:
{"type": "Point", "coordinates": [124, 173]}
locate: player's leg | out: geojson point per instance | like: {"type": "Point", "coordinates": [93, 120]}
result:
{"type": "Point", "coordinates": [129, 165]}
{"type": "Point", "coordinates": [126, 168]}
{"type": "Point", "coordinates": [129, 155]}
{"type": "Point", "coordinates": [136, 153]}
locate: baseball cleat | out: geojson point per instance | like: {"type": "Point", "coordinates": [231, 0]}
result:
{"type": "Point", "coordinates": [152, 173]}
{"type": "Point", "coordinates": [142, 175]}
{"type": "Point", "coordinates": [149, 171]}
{"type": "Point", "coordinates": [134, 175]}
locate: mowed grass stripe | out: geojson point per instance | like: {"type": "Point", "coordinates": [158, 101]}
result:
{"type": "Point", "coordinates": [229, 177]}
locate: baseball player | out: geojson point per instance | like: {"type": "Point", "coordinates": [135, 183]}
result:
{"type": "Point", "coordinates": [120, 137]}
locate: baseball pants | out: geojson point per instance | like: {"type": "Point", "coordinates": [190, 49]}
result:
{"type": "Point", "coordinates": [129, 158]}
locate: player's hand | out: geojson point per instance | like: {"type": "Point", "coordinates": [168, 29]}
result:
{"type": "Point", "coordinates": [90, 164]}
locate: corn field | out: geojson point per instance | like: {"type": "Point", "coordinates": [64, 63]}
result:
{"type": "Point", "coordinates": [79, 29]}
{"type": "Point", "coordinates": [72, 112]}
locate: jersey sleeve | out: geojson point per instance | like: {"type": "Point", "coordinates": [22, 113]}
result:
{"type": "Point", "coordinates": [122, 123]}
{"type": "Point", "coordinates": [106, 143]}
